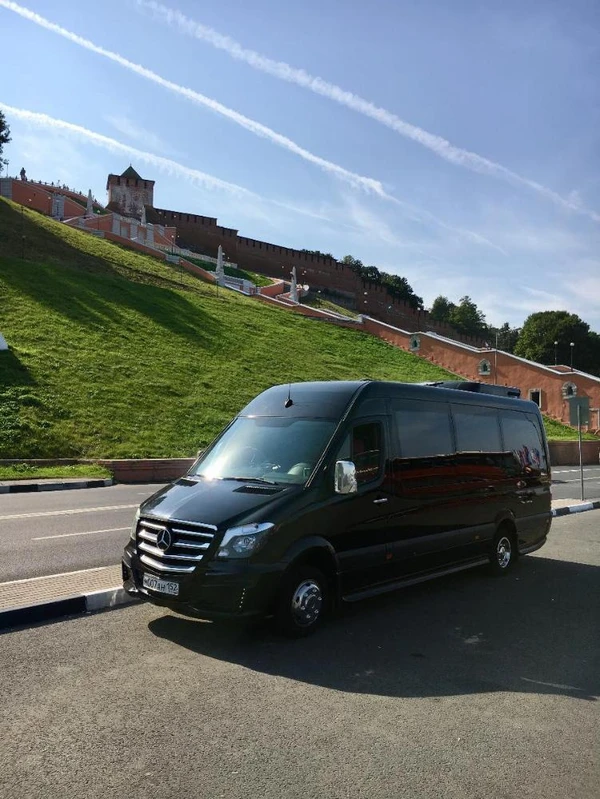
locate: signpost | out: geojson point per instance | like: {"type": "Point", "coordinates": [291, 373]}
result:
{"type": "Point", "coordinates": [579, 413]}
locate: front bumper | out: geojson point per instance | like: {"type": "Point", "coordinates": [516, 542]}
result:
{"type": "Point", "coordinates": [224, 590]}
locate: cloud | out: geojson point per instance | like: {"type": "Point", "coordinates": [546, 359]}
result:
{"type": "Point", "coordinates": [367, 184]}
{"type": "Point", "coordinates": [283, 71]}
{"type": "Point", "coordinates": [106, 142]}
{"type": "Point", "coordinates": [135, 132]}
{"type": "Point", "coordinates": [358, 181]}
{"type": "Point", "coordinates": [251, 200]}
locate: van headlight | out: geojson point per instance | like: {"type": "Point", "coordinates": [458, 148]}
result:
{"type": "Point", "coordinates": [241, 542]}
{"type": "Point", "coordinates": [134, 525]}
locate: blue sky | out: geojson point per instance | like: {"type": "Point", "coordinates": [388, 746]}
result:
{"type": "Point", "coordinates": [504, 205]}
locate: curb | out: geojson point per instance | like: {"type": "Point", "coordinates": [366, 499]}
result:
{"type": "Point", "coordinates": [104, 599]}
{"type": "Point", "coordinates": [579, 508]}
{"type": "Point", "coordinates": [24, 488]}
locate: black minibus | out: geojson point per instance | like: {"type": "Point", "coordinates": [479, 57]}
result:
{"type": "Point", "coordinates": [321, 493]}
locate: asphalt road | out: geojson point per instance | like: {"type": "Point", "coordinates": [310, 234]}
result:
{"type": "Point", "coordinates": [62, 531]}
{"type": "Point", "coordinates": [566, 482]}
{"type": "Point", "coordinates": [466, 687]}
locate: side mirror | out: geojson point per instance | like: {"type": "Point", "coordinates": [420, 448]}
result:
{"type": "Point", "coordinates": [345, 477]}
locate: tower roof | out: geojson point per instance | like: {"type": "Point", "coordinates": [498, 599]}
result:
{"type": "Point", "coordinates": [131, 173]}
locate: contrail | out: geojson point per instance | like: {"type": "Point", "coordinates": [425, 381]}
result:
{"type": "Point", "coordinates": [195, 176]}
{"type": "Point", "coordinates": [280, 69]}
{"type": "Point", "coordinates": [358, 181]}
{"type": "Point", "coordinates": [370, 185]}
{"type": "Point", "coordinates": [165, 164]}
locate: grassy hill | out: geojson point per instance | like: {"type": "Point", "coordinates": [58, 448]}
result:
{"type": "Point", "coordinates": [117, 354]}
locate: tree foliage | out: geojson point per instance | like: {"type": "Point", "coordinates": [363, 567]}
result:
{"type": "Point", "coordinates": [468, 319]}
{"type": "Point", "coordinates": [4, 132]}
{"type": "Point", "coordinates": [441, 310]}
{"type": "Point", "coordinates": [396, 285]}
{"type": "Point", "coordinates": [506, 337]}
{"type": "Point", "coordinates": [319, 254]}
{"type": "Point", "coordinates": [542, 329]}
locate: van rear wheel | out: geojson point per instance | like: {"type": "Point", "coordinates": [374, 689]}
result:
{"type": "Point", "coordinates": [504, 552]}
{"type": "Point", "coordinates": [302, 602]}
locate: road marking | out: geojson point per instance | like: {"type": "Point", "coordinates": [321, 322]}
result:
{"type": "Point", "coordinates": [552, 684]}
{"type": "Point", "coordinates": [48, 576]}
{"type": "Point", "coordinates": [90, 532]}
{"type": "Point", "coordinates": [577, 480]}
{"type": "Point", "coordinates": [65, 512]}
{"type": "Point", "coordinates": [568, 471]}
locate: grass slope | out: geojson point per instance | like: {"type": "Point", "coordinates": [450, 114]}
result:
{"type": "Point", "coordinates": [23, 471]}
{"type": "Point", "coordinates": [117, 354]}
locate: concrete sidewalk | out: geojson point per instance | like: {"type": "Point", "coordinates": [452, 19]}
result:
{"type": "Point", "coordinates": [52, 484]}
{"type": "Point", "coordinates": [38, 599]}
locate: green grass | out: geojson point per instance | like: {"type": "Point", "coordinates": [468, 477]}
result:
{"type": "Point", "coordinates": [23, 471]}
{"type": "Point", "coordinates": [560, 432]}
{"type": "Point", "coordinates": [320, 302]}
{"type": "Point", "coordinates": [242, 274]}
{"type": "Point", "coordinates": [118, 354]}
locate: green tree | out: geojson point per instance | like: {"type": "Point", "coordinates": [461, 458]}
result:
{"type": "Point", "coordinates": [442, 309]}
{"type": "Point", "coordinates": [319, 254]}
{"type": "Point", "coordinates": [468, 319]}
{"type": "Point", "coordinates": [506, 336]}
{"type": "Point", "coordinates": [4, 132]}
{"type": "Point", "coordinates": [542, 329]}
{"type": "Point", "coordinates": [396, 285]}
{"type": "Point", "coordinates": [400, 288]}
{"type": "Point", "coordinates": [354, 263]}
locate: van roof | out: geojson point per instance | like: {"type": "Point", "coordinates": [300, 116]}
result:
{"type": "Point", "coordinates": [329, 399]}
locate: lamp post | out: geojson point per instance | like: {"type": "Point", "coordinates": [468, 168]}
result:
{"type": "Point", "coordinates": [572, 345]}
{"type": "Point", "coordinates": [555, 353]}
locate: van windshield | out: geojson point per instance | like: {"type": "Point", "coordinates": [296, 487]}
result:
{"type": "Point", "coordinates": [267, 449]}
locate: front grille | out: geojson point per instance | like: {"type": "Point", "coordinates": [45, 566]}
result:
{"type": "Point", "coordinates": [189, 542]}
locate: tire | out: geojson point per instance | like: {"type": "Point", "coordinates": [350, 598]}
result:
{"type": "Point", "coordinates": [302, 602]}
{"type": "Point", "coordinates": [504, 552]}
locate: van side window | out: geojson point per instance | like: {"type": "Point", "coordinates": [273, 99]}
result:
{"type": "Point", "coordinates": [362, 446]}
{"type": "Point", "coordinates": [522, 438]}
{"type": "Point", "coordinates": [423, 429]}
{"type": "Point", "coordinates": [477, 429]}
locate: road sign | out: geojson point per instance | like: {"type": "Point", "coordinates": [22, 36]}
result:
{"type": "Point", "coordinates": [581, 417]}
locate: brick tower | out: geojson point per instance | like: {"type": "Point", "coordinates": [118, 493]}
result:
{"type": "Point", "coordinates": [129, 193]}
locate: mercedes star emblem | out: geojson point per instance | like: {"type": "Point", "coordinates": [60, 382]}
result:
{"type": "Point", "coordinates": [163, 540]}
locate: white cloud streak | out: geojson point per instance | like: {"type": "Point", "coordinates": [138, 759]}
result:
{"type": "Point", "coordinates": [358, 181]}
{"type": "Point", "coordinates": [370, 185]}
{"type": "Point", "coordinates": [128, 128]}
{"type": "Point", "coordinates": [436, 144]}
{"type": "Point", "coordinates": [106, 142]}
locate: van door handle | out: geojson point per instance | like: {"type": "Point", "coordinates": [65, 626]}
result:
{"type": "Point", "coordinates": [379, 501]}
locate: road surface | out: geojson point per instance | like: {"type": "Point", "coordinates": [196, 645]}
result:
{"type": "Point", "coordinates": [468, 686]}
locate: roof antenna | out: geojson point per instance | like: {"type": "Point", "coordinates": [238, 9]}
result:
{"type": "Point", "coordinates": [289, 401]}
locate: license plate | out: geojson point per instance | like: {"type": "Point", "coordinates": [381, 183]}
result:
{"type": "Point", "coordinates": [162, 586]}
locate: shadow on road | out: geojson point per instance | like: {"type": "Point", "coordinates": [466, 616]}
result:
{"type": "Point", "coordinates": [534, 631]}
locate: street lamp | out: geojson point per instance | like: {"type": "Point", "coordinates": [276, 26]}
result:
{"type": "Point", "coordinates": [555, 353]}
{"type": "Point", "coordinates": [572, 345]}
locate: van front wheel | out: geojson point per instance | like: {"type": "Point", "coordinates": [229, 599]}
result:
{"type": "Point", "coordinates": [302, 602]}
{"type": "Point", "coordinates": [504, 552]}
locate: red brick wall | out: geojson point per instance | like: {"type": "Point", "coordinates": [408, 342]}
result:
{"type": "Point", "coordinates": [32, 196]}
{"type": "Point", "coordinates": [202, 233]}
{"type": "Point", "coordinates": [505, 370]}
